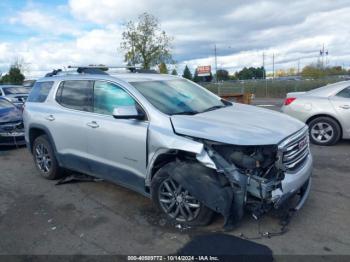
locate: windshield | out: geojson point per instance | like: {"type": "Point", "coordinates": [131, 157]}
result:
{"type": "Point", "coordinates": [5, 104]}
{"type": "Point", "coordinates": [15, 90]}
{"type": "Point", "coordinates": [178, 96]}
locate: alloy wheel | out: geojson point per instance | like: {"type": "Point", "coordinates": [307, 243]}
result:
{"type": "Point", "coordinates": [177, 202]}
{"type": "Point", "coordinates": [42, 158]}
{"type": "Point", "coordinates": [322, 132]}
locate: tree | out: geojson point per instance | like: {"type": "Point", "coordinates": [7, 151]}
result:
{"type": "Point", "coordinates": [163, 69]}
{"type": "Point", "coordinates": [245, 73]}
{"type": "Point", "coordinates": [196, 77]}
{"type": "Point", "coordinates": [313, 71]}
{"type": "Point", "coordinates": [222, 74]}
{"type": "Point", "coordinates": [14, 77]}
{"type": "Point", "coordinates": [145, 42]}
{"type": "Point", "coordinates": [187, 73]}
{"type": "Point", "coordinates": [251, 73]}
{"type": "Point", "coordinates": [174, 72]}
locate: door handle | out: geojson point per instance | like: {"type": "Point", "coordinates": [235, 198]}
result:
{"type": "Point", "coordinates": [50, 118]}
{"type": "Point", "coordinates": [345, 106]}
{"type": "Point", "coordinates": [93, 124]}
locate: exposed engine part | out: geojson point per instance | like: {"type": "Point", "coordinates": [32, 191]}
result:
{"type": "Point", "coordinates": [258, 160]}
{"type": "Point", "coordinates": [252, 173]}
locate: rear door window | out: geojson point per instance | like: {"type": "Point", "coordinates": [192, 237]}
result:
{"type": "Point", "coordinates": [76, 94]}
{"type": "Point", "coordinates": [40, 92]}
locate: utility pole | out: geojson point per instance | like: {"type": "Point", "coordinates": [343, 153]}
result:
{"type": "Point", "coordinates": [264, 72]}
{"type": "Point", "coordinates": [298, 67]}
{"type": "Point", "coordinates": [216, 64]}
{"type": "Point", "coordinates": [323, 53]}
{"type": "Point", "coordinates": [273, 66]}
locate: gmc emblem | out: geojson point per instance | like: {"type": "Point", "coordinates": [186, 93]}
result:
{"type": "Point", "coordinates": [302, 143]}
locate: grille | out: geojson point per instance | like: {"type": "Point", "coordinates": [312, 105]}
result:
{"type": "Point", "coordinates": [11, 126]}
{"type": "Point", "coordinates": [295, 151]}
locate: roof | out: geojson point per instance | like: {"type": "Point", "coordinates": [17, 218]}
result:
{"type": "Point", "coordinates": [10, 86]}
{"type": "Point", "coordinates": [139, 77]}
{"type": "Point", "coordinates": [126, 77]}
{"type": "Point", "coordinates": [329, 90]}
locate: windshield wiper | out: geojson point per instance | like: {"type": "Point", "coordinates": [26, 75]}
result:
{"type": "Point", "coordinates": [214, 108]}
{"type": "Point", "coordinates": [186, 113]}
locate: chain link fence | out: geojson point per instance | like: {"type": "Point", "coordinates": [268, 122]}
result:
{"type": "Point", "coordinates": [270, 88]}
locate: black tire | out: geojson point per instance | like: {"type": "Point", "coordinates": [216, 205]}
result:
{"type": "Point", "coordinates": [201, 217]}
{"type": "Point", "coordinates": [318, 131]}
{"type": "Point", "coordinates": [48, 167]}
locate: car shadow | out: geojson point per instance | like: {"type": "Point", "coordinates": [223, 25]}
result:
{"type": "Point", "coordinates": [10, 148]}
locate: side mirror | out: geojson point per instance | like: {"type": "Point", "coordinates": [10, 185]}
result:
{"type": "Point", "coordinates": [127, 112]}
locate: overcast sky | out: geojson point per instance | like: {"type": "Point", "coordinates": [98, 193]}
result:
{"type": "Point", "coordinates": [53, 34]}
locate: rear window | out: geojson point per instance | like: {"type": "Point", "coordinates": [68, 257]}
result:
{"type": "Point", "coordinates": [40, 92]}
{"type": "Point", "coordinates": [13, 90]}
{"type": "Point", "coordinates": [344, 93]}
{"type": "Point", "coordinates": [76, 94]}
{"type": "Point", "coordinates": [5, 104]}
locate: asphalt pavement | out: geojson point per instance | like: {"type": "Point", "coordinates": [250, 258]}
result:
{"type": "Point", "coordinates": [39, 217]}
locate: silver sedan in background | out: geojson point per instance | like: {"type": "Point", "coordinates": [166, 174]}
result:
{"type": "Point", "coordinates": [326, 110]}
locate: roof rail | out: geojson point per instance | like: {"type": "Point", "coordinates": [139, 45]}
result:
{"type": "Point", "coordinates": [103, 68]}
{"type": "Point", "coordinates": [132, 69]}
{"type": "Point", "coordinates": [53, 73]}
{"type": "Point", "coordinates": [99, 70]}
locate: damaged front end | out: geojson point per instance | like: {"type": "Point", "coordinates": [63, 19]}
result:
{"type": "Point", "coordinates": [253, 174]}
{"type": "Point", "coordinates": [233, 178]}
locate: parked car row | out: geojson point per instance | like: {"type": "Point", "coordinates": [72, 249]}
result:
{"type": "Point", "coordinates": [12, 99]}
{"type": "Point", "coordinates": [11, 124]}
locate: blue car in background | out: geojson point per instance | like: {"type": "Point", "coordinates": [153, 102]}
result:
{"type": "Point", "coordinates": [11, 124]}
{"type": "Point", "coordinates": [16, 94]}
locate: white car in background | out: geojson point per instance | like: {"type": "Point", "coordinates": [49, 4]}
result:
{"type": "Point", "coordinates": [326, 110]}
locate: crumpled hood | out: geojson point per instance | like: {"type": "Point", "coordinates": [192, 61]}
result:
{"type": "Point", "coordinates": [10, 115]}
{"type": "Point", "coordinates": [238, 125]}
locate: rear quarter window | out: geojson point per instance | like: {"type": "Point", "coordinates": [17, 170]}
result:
{"type": "Point", "coordinates": [40, 92]}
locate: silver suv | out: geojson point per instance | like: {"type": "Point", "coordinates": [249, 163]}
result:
{"type": "Point", "coordinates": [171, 140]}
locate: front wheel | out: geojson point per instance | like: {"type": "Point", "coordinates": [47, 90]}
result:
{"type": "Point", "coordinates": [176, 202]}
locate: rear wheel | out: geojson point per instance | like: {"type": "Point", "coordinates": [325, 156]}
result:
{"type": "Point", "coordinates": [44, 158]}
{"type": "Point", "coordinates": [176, 202]}
{"type": "Point", "coordinates": [324, 131]}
